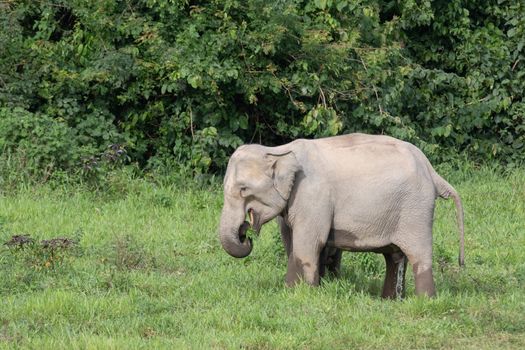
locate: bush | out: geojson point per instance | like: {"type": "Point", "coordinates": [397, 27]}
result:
{"type": "Point", "coordinates": [37, 147]}
{"type": "Point", "coordinates": [182, 83]}
{"type": "Point", "coordinates": [41, 142]}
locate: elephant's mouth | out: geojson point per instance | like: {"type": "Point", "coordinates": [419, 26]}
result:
{"type": "Point", "coordinates": [253, 221]}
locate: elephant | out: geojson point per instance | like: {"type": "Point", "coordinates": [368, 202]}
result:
{"type": "Point", "coordinates": [355, 192]}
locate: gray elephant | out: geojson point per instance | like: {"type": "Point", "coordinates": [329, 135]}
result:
{"type": "Point", "coordinates": [356, 192]}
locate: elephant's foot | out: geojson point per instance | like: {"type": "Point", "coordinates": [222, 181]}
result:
{"type": "Point", "coordinates": [394, 285]}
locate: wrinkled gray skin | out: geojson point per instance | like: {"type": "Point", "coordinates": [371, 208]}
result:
{"type": "Point", "coordinates": [354, 192]}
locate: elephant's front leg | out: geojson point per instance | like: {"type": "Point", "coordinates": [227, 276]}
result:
{"type": "Point", "coordinates": [394, 285]}
{"type": "Point", "coordinates": [304, 258]}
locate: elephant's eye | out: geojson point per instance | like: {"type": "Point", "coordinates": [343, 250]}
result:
{"type": "Point", "coordinates": [244, 191]}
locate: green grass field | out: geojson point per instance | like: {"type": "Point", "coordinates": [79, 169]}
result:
{"type": "Point", "coordinates": [149, 272]}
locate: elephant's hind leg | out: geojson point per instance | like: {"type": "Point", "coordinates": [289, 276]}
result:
{"type": "Point", "coordinates": [394, 285]}
{"type": "Point", "coordinates": [286, 235]}
{"type": "Point", "coordinates": [330, 260]}
{"type": "Point", "coordinates": [420, 257]}
{"type": "Point", "coordinates": [414, 238]}
{"type": "Point", "coordinates": [333, 262]}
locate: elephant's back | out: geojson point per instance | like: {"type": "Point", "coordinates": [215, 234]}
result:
{"type": "Point", "coordinates": [360, 161]}
{"type": "Point", "coordinates": [366, 152]}
{"type": "Point", "coordinates": [357, 139]}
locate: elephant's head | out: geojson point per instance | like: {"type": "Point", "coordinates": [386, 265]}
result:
{"type": "Point", "coordinates": [257, 184]}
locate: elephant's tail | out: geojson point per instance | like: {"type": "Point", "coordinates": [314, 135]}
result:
{"type": "Point", "coordinates": [445, 190]}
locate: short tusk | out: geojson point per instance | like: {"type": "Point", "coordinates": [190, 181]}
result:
{"type": "Point", "coordinates": [250, 213]}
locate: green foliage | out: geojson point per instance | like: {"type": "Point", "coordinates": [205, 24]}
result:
{"type": "Point", "coordinates": [470, 76]}
{"type": "Point", "coordinates": [43, 143]}
{"type": "Point", "coordinates": [182, 83]}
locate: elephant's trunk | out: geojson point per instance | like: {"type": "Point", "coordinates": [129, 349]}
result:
{"type": "Point", "coordinates": [232, 233]}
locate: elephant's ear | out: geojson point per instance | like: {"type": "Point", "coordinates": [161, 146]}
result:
{"type": "Point", "coordinates": [282, 169]}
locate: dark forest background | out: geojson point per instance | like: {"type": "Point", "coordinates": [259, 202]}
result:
{"type": "Point", "coordinates": [174, 84]}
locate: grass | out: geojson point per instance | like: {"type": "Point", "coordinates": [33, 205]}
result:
{"type": "Point", "coordinates": [149, 272]}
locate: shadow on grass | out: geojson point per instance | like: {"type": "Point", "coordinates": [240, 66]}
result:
{"type": "Point", "coordinates": [450, 279]}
